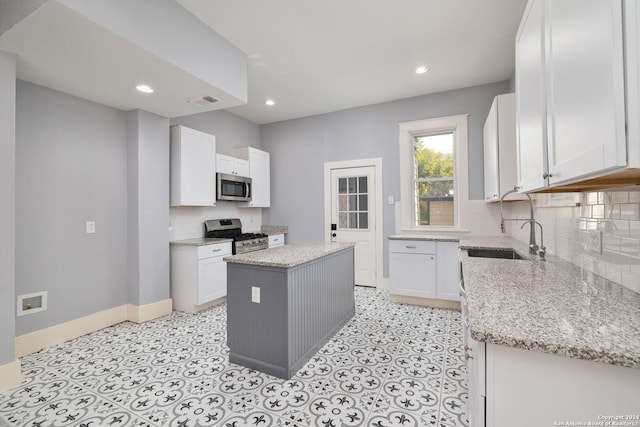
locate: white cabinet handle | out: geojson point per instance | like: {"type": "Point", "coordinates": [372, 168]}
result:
{"type": "Point", "coordinates": [411, 247]}
{"type": "Point", "coordinates": [276, 240]}
{"type": "Point", "coordinates": [216, 250]}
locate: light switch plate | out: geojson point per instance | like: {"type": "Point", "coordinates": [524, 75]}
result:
{"type": "Point", "coordinates": [255, 294]}
{"type": "Point", "coordinates": [595, 241]}
{"type": "Point", "coordinates": [91, 227]}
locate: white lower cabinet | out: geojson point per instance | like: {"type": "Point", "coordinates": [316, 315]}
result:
{"type": "Point", "coordinates": [530, 389]}
{"type": "Point", "coordinates": [424, 269]}
{"type": "Point", "coordinates": [276, 240]}
{"type": "Point", "coordinates": [198, 275]}
{"type": "Point", "coordinates": [474, 355]}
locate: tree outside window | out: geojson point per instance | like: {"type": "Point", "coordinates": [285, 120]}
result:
{"type": "Point", "coordinates": [434, 179]}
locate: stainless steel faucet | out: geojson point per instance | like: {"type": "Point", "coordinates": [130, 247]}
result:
{"type": "Point", "coordinates": [533, 247]}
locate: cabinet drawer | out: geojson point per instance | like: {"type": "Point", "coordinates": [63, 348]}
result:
{"type": "Point", "coordinates": [218, 249]}
{"type": "Point", "coordinates": [276, 240]}
{"type": "Point", "coordinates": [412, 246]}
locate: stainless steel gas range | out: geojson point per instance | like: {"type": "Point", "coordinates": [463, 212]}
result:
{"type": "Point", "coordinates": [232, 229]}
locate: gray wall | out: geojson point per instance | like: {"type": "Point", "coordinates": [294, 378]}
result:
{"type": "Point", "coordinates": [7, 205]}
{"type": "Point", "coordinates": [148, 207]}
{"type": "Point", "coordinates": [71, 167]}
{"type": "Point", "coordinates": [299, 148]}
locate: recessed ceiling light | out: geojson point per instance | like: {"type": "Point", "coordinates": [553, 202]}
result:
{"type": "Point", "coordinates": [421, 69]}
{"type": "Point", "coordinates": [270, 102]}
{"type": "Point", "coordinates": [144, 88]}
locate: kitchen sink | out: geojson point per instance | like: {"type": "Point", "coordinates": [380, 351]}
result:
{"type": "Point", "coordinates": [494, 253]}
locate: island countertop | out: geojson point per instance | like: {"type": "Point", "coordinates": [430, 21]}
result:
{"type": "Point", "coordinates": [550, 306]}
{"type": "Point", "coordinates": [288, 256]}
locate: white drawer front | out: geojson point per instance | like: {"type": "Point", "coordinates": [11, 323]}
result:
{"type": "Point", "coordinates": [412, 246]}
{"type": "Point", "coordinates": [218, 249]}
{"type": "Point", "coordinates": [276, 240]}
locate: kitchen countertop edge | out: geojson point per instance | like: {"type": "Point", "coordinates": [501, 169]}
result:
{"type": "Point", "coordinates": [425, 237]}
{"type": "Point", "coordinates": [200, 241]}
{"type": "Point", "coordinates": [289, 256]}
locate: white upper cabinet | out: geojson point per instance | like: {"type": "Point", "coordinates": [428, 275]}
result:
{"type": "Point", "coordinates": [585, 104]}
{"type": "Point", "coordinates": [232, 165]}
{"type": "Point", "coordinates": [260, 173]}
{"type": "Point", "coordinates": [530, 99]}
{"type": "Point", "coordinates": [500, 149]}
{"type": "Point", "coordinates": [192, 167]}
{"type": "Point", "coordinates": [632, 63]}
{"type": "Point", "coordinates": [570, 86]}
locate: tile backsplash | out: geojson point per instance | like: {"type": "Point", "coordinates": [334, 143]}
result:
{"type": "Point", "coordinates": [601, 235]}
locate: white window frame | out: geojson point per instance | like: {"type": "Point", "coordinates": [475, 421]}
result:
{"type": "Point", "coordinates": [408, 130]}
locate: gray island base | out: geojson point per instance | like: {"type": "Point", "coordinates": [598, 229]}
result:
{"type": "Point", "coordinates": [284, 303]}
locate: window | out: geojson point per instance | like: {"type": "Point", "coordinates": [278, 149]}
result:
{"type": "Point", "coordinates": [433, 165]}
{"type": "Point", "coordinates": [353, 206]}
{"type": "Point", "coordinates": [434, 179]}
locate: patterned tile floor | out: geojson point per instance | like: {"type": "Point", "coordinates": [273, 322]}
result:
{"type": "Point", "coordinates": [391, 365]}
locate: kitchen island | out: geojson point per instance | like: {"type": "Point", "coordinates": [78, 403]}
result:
{"type": "Point", "coordinates": [284, 303]}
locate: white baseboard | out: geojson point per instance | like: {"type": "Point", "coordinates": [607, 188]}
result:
{"type": "Point", "coordinates": [10, 375]}
{"type": "Point", "coordinates": [43, 338]}
{"type": "Point", "coordinates": [144, 313]}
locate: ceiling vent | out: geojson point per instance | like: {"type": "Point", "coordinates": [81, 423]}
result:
{"type": "Point", "coordinates": [202, 101]}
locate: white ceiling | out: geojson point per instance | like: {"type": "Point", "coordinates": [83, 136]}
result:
{"type": "Point", "coordinates": [315, 57]}
{"type": "Point", "coordinates": [311, 57]}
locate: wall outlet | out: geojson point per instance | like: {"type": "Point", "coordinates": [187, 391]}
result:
{"type": "Point", "coordinates": [90, 227]}
{"type": "Point", "coordinates": [595, 241]}
{"type": "Point", "coordinates": [255, 294]}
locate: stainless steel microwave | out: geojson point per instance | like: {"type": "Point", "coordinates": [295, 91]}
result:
{"type": "Point", "coordinates": [233, 188]}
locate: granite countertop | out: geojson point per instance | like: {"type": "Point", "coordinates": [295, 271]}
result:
{"type": "Point", "coordinates": [548, 306]}
{"type": "Point", "coordinates": [429, 237]}
{"type": "Point", "coordinates": [288, 256]}
{"type": "Point", "coordinates": [200, 241]}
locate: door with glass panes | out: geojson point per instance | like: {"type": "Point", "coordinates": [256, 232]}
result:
{"type": "Point", "coordinates": [353, 217]}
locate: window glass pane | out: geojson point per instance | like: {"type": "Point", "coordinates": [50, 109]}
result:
{"type": "Point", "coordinates": [362, 206]}
{"type": "Point", "coordinates": [353, 220]}
{"type": "Point", "coordinates": [364, 220]}
{"type": "Point", "coordinates": [434, 179]}
{"type": "Point", "coordinates": [342, 203]}
{"type": "Point", "coordinates": [434, 156]}
{"type": "Point", "coordinates": [353, 185]}
{"type": "Point", "coordinates": [353, 203]}
{"type": "Point", "coordinates": [342, 220]}
{"type": "Point", "coordinates": [363, 184]}
{"type": "Point", "coordinates": [342, 185]}
{"type": "Point", "coordinates": [435, 203]}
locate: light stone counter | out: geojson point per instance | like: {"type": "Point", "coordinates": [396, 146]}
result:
{"type": "Point", "coordinates": [200, 241]}
{"type": "Point", "coordinates": [288, 256]}
{"type": "Point", "coordinates": [427, 237]}
{"type": "Point", "coordinates": [274, 229]}
{"type": "Point", "coordinates": [549, 306]}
